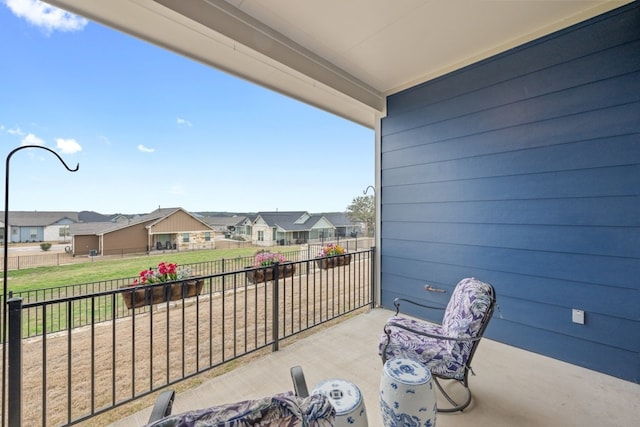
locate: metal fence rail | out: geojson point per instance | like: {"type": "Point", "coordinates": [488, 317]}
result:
{"type": "Point", "coordinates": [91, 359]}
{"type": "Point", "coordinates": [55, 319]}
{"type": "Point", "coordinates": [21, 262]}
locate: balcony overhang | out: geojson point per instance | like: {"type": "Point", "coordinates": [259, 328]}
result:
{"type": "Point", "coordinates": [343, 57]}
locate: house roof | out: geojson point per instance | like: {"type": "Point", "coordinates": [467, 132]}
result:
{"type": "Point", "coordinates": [160, 214]}
{"type": "Point", "coordinates": [290, 221]}
{"type": "Point", "coordinates": [85, 228]}
{"type": "Point", "coordinates": [343, 57]}
{"type": "Point", "coordinates": [91, 216]}
{"type": "Point", "coordinates": [339, 219]}
{"type": "Point", "coordinates": [223, 221]}
{"type": "Point", "coordinates": [38, 219]}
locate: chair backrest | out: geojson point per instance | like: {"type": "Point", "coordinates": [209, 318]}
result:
{"type": "Point", "coordinates": [279, 410]}
{"type": "Point", "coordinates": [467, 315]}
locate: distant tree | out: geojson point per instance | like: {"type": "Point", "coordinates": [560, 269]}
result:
{"type": "Point", "coordinates": [363, 209]}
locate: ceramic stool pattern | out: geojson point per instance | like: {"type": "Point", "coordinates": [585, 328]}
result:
{"type": "Point", "coordinates": [346, 399]}
{"type": "Point", "coordinates": [407, 396]}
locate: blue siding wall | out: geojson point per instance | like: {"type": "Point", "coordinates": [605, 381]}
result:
{"type": "Point", "coordinates": [524, 170]}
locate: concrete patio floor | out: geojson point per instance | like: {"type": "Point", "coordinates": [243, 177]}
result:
{"type": "Point", "coordinates": [512, 387]}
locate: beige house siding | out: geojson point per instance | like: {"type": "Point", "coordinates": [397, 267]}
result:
{"type": "Point", "coordinates": [177, 225]}
{"type": "Point", "coordinates": [85, 243]}
{"type": "Point", "coordinates": [133, 239]}
{"type": "Point", "coordinates": [261, 226]}
{"type": "Point", "coordinates": [179, 222]}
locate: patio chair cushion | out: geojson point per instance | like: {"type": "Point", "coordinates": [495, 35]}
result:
{"type": "Point", "coordinates": [284, 410]}
{"type": "Point", "coordinates": [463, 318]}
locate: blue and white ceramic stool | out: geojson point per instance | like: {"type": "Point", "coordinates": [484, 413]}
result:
{"type": "Point", "coordinates": [346, 399]}
{"type": "Point", "coordinates": [407, 395]}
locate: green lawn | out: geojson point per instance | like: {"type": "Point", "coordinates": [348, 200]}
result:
{"type": "Point", "coordinates": [100, 270]}
{"type": "Point", "coordinates": [107, 269]}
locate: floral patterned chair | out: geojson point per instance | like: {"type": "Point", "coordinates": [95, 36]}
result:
{"type": "Point", "coordinates": [446, 349]}
{"type": "Point", "coordinates": [281, 410]}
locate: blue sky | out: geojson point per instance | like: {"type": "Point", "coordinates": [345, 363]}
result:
{"type": "Point", "coordinates": [150, 128]}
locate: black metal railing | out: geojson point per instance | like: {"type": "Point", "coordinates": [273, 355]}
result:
{"type": "Point", "coordinates": [83, 314]}
{"type": "Point", "coordinates": [86, 364]}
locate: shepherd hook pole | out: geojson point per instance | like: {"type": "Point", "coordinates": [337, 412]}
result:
{"type": "Point", "coordinates": [6, 260]}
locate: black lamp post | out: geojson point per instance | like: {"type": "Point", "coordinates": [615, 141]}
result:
{"type": "Point", "coordinates": [6, 260]}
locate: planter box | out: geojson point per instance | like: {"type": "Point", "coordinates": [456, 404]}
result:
{"type": "Point", "coordinates": [142, 295]}
{"type": "Point", "coordinates": [333, 261]}
{"type": "Point", "coordinates": [265, 274]}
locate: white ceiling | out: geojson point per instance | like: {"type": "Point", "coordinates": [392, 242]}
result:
{"type": "Point", "coordinates": [344, 56]}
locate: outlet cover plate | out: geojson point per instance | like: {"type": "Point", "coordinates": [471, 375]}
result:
{"type": "Point", "coordinates": [577, 316]}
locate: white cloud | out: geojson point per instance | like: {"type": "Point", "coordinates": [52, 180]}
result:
{"type": "Point", "coordinates": [146, 149]}
{"type": "Point", "coordinates": [11, 131]}
{"type": "Point", "coordinates": [183, 122]}
{"type": "Point", "coordinates": [46, 17]}
{"type": "Point", "coordinates": [176, 189]}
{"type": "Point", "coordinates": [31, 139]}
{"type": "Point", "coordinates": [68, 146]}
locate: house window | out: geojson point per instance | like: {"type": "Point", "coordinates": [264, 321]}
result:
{"type": "Point", "coordinates": [33, 233]}
{"type": "Point", "coordinates": [260, 236]}
{"type": "Point", "coordinates": [185, 237]}
{"type": "Point", "coordinates": [64, 231]}
{"type": "Point", "coordinates": [207, 236]}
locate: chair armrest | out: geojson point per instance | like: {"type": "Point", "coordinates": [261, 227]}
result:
{"type": "Point", "coordinates": [426, 334]}
{"type": "Point", "coordinates": [163, 405]}
{"type": "Point", "coordinates": [396, 303]}
{"type": "Point", "coordinates": [299, 382]}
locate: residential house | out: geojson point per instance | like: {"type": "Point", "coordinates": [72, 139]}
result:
{"type": "Point", "coordinates": [506, 143]}
{"type": "Point", "coordinates": [285, 228]}
{"type": "Point", "coordinates": [35, 226]}
{"type": "Point", "coordinates": [223, 225]}
{"type": "Point", "coordinates": [344, 227]}
{"type": "Point", "coordinates": [162, 229]}
{"type": "Point", "coordinates": [243, 228]}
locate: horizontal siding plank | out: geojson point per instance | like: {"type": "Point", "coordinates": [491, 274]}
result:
{"type": "Point", "coordinates": [600, 241]}
{"type": "Point", "coordinates": [612, 272]}
{"type": "Point", "coordinates": [458, 141]}
{"type": "Point", "coordinates": [616, 151]}
{"type": "Point", "coordinates": [604, 182]}
{"type": "Point", "coordinates": [599, 34]}
{"type": "Point", "coordinates": [595, 211]}
{"type": "Point", "coordinates": [600, 69]}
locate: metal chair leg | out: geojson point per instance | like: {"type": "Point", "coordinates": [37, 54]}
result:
{"type": "Point", "coordinates": [455, 405]}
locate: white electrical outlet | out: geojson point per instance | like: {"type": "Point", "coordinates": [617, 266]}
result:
{"type": "Point", "coordinates": [577, 316]}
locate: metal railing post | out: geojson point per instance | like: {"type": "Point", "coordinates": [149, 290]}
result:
{"type": "Point", "coordinates": [15, 362]}
{"type": "Point", "coordinates": [372, 262]}
{"type": "Point", "coordinates": [275, 309]}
